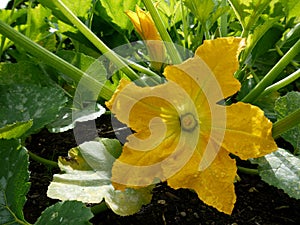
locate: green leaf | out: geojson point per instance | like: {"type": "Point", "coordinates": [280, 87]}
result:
{"type": "Point", "coordinates": [87, 178]}
{"type": "Point", "coordinates": [293, 8]}
{"type": "Point", "coordinates": [66, 213]}
{"type": "Point", "coordinates": [23, 72]}
{"type": "Point", "coordinates": [290, 38]}
{"type": "Point", "coordinates": [26, 102]}
{"type": "Point", "coordinates": [282, 170]}
{"type": "Point", "coordinates": [79, 7]}
{"type": "Point", "coordinates": [37, 27]}
{"type": "Point", "coordinates": [262, 39]}
{"type": "Point", "coordinates": [201, 8]}
{"type": "Point", "coordinates": [249, 11]}
{"type": "Point", "coordinates": [285, 106]}
{"type": "Point", "coordinates": [15, 130]}
{"type": "Point", "coordinates": [114, 12]}
{"type": "Point", "coordinates": [267, 104]}
{"type": "Point", "coordinates": [14, 183]}
{"type": "Point", "coordinates": [9, 17]}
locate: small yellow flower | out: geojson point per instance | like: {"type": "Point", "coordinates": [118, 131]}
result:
{"type": "Point", "coordinates": [183, 135]}
{"type": "Point", "coordinates": [144, 25]}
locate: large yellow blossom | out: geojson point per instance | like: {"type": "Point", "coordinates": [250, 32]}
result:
{"type": "Point", "coordinates": [146, 28]}
{"type": "Point", "coordinates": [183, 134]}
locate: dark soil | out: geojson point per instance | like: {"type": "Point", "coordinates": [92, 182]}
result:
{"type": "Point", "coordinates": [257, 202]}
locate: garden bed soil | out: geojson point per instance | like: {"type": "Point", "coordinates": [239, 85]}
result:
{"type": "Point", "coordinates": [257, 202]}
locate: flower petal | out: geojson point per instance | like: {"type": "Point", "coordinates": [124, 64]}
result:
{"type": "Point", "coordinates": [137, 106]}
{"type": "Point", "coordinates": [160, 147]}
{"type": "Point", "coordinates": [221, 55]}
{"type": "Point", "coordinates": [214, 185]}
{"type": "Point", "coordinates": [143, 24]}
{"type": "Point", "coordinates": [248, 132]}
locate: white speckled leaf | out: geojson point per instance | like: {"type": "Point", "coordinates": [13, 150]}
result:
{"type": "Point", "coordinates": [14, 183]}
{"type": "Point", "coordinates": [30, 102]}
{"type": "Point", "coordinates": [23, 72]}
{"type": "Point", "coordinates": [282, 170]}
{"type": "Point", "coordinates": [285, 106]}
{"type": "Point", "coordinates": [87, 178]}
{"type": "Point", "coordinates": [66, 213]}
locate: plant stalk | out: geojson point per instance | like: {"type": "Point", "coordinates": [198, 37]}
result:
{"type": "Point", "coordinates": [96, 209]}
{"type": "Point", "coordinates": [111, 55]}
{"type": "Point", "coordinates": [286, 123]}
{"type": "Point", "coordinates": [223, 21]}
{"type": "Point", "coordinates": [282, 83]}
{"type": "Point", "coordinates": [174, 54]}
{"type": "Point", "coordinates": [53, 60]}
{"type": "Point", "coordinates": [273, 73]}
{"type": "Point", "coordinates": [44, 161]}
{"type": "Point", "coordinates": [248, 170]}
{"type": "Point", "coordinates": [155, 78]}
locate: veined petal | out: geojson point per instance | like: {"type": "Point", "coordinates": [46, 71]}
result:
{"type": "Point", "coordinates": [214, 185]}
{"type": "Point", "coordinates": [248, 132]}
{"type": "Point", "coordinates": [135, 21]}
{"type": "Point", "coordinates": [143, 24]}
{"type": "Point", "coordinates": [197, 79]}
{"type": "Point", "coordinates": [221, 55]}
{"type": "Point", "coordinates": [138, 167]}
{"type": "Point", "coordinates": [137, 106]}
{"type": "Point", "coordinates": [146, 28]}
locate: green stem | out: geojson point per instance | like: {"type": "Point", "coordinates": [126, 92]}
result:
{"type": "Point", "coordinates": [248, 170]}
{"type": "Point", "coordinates": [111, 55]}
{"type": "Point", "coordinates": [174, 54]}
{"type": "Point", "coordinates": [155, 78]}
{"type": "Point", "coordinates": [273, 73]}
{"type": "Point", "coordinates": [282, 83]}
{"type": "Point", "coordinates": [295, 64]}
{"type": "Point", "coordinates": [286, 123]}
{"type": "Point", "coordinates": [53, 60]}
{"type": "Point", "coordinates": [223, 21]}
{"type": "Point", "coordinates": [44, 161]}
{"type": "Point", "coordinates": [96, 209]}
{"type": "Point", "coordinates": [29, 16]}
{"type": "Point", "coordinates": [200, 33]}
{"type": "Point", "coordinates": [185, 26]}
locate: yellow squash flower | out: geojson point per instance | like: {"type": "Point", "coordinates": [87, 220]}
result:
{"type": "Point", "coordinates": [183, 134]}
{"type": "Point", "coordinates": [144, 25]}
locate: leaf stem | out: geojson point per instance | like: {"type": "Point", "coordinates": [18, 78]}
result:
{"type": "Point", "coordinates": [184, 17]}
{"type": "Point", "coordinates": [272, 74]}
{"type": "Point", "coordinates": [42, 160]}
{"type": "Point", "coordinates": [53, 60]}
{"type": "Point", "coordinates": [223, 21]}
{"type": "Point", "coordinates": [99, 208]}
{"type": "Point", "coordinates": [248, 170]}
{"type": "Point", "coordinates": [29, 19]}
{"type": "Point", "coordinates": [174, 54]}
{"type": "Point", "coordinates": [282, 83]}
{"type": "Point", "coordinates": [156, 78]}
{"type": "Point", "coordinates": [286, 123]}
{"type": "Point", "coordinates": [111, 55]}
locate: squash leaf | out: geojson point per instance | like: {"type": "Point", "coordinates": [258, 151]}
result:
{"type": "Point", "coordinates": [282, 170]}
{"type": "Point", "coordinates": [87, 178]}
{"type": "Point", "coordinates": [14, 183]}
{"type": "Point", "coordinates": [26, 102]}
{"type": "Point", "coordinates": [283, 107]}
{"type": "Point", "coordinates": [66, 213]}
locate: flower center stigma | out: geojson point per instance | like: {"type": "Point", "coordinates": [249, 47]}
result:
{"type": "Point", "coordinates": [188, 122]}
